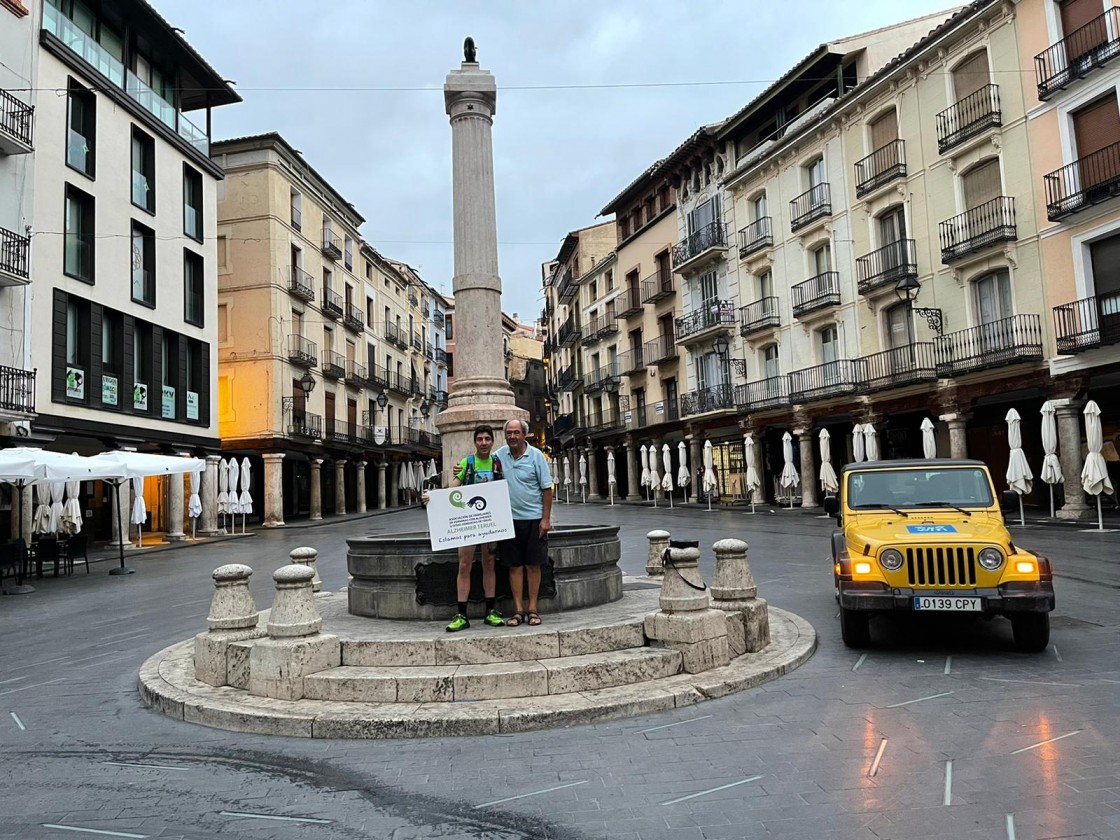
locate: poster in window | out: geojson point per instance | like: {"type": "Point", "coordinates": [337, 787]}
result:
{"type": "Point", "coordinates": [168, 402]}
{"type": "Point", "coordinates": [109, 387]}
{"type": "Point", "coordinates": [192, 405]}
{"type": "Point", "coordinates": [75, 383]}
{"type": "Point", "coordinates": [140, 397]}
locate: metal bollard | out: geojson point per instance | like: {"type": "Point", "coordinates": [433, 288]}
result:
{"type": "Point", "coordinates": [294, 612]}
{"type": "Point", "coordinates": [307, 556]}
{"type": "Point", "coordinates": [658, 542]}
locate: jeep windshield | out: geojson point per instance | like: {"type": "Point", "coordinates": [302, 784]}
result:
{"type": "Point", "coordinates": [961, 487]}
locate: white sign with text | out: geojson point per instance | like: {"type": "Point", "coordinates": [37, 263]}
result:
{"type": "Point", "coordinates": [469, 515]}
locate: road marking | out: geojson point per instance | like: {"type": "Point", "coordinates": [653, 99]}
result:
{"type": "Point", "coordinates": [273, 817]}
{"type": "Point", "coordinates": [120, 639]}
{"type": "Point", "coordinates": [712, 790]}
{"type": "Point", "coordinates": [144, 766]}
{"type": "Point", "coordinates": [12, 680]}
{"type": "Point", "coordinates": [41, 662]}
{"type": "Point", "coordinates": [948, 783]}
{"type": "Point", "coordinates": [104, 662]}
{"type": "Point", "coordinates": [668, 725]}
{"type": "Point", "coordinates": [1032, 682]}
{"type": "Point", "coordinates": [1047, 741]}
{"type": "Point", "coordinates": [19, 722]}
{"type": "Point", "coordinates": [94, 831]}
{"type": "Point", "coordinates": [524, 795]}
{"type": "Point", "coordinates": [919, 700]}
{"type": "Point", "coordinates": [1057, 655]}
{"type": "Point", "coordinates": [35, 685]}
{"type": "Point", "coordinates": [948, 665]}
{"type": "Point", "coordinates": [860, 661]}
{"type": "Point", "coordinates": [1010, 827]}
{"type": "Point", "coordinates": [878, 757]}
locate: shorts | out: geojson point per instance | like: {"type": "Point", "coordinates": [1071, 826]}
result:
{"type": "Point", "coordinates": [527, 548]}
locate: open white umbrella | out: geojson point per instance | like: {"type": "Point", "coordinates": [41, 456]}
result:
{"type": "Point", "coordinates": [871, 441]}
{"type": "Point", "coordinates": [654, 476]}
{"type": "Point", "coordinates": [859, 451]}
{"type": "Point", "coordinates": [72, 509]}
{"type": "Point", "coordinates": [41, 524]}
{"type": "Point", "coordinates": [829, 482]}
{"type": "Point", "coordinates": [667, 463]}
{"type": "Point", "coordinates": [1094, 476]}
{"type": "Point", "coordinates": [223, 489]}
{"type": "Point", "coordinates": [611, 480]}
{"type": "Point", "coordinates": [754, 483]}
{"type": "Point", "coordinates": [194, 504]}
{"type": "Point", "coordinates": [139, 509]}
{"type": "Point", "coordinates": [644, 480]}
{"type": "Point", "coordinates": [708, 481]}
{"type": "Point", "coordinates": [567, 480]}
{"type": "Point", "coordinates": [684, 477]}
{"type": "Point", "coordinates": [245, 502]}
{"type": "Point", "coordinates": [582, 478]}
{"type": "Point", "coordinates": [234, 497]}
{"type": "Point", "coordinates": [929, 442]}
{"type": "Point", "coordinates": [1051, 466]}
{"type": "Point", "coordinates": [58, 489]}
{"type": "Point", "coordinates": [1019, 473]}
{"type": "Point", "coordinates": [789, 478]}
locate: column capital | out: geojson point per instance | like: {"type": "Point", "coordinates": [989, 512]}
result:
{"type": "Point", "coordinates": [341, 462]}
{"type": "Point", "coordinates": [802, 432]}
{"type": "Point", "coordinates": [361, 464]}
{"type": "Point", "coordinates": [272, 456]}
{"type": "Point", "coordinates": [213, 459]}
{"type": "Point", "coordinates": [1068, 405]}
{"type": "Point", "coordinates": [957, 417]}
{"type": "Point", "coordinates": [382, 465]}
{"type": "Point", "coordinates": [316, 463]}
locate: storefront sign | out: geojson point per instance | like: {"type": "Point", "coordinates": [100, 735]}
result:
{"type": "Point", "coordinates": [379, 435]}
{"type": "Point", "coordinates": [469, 515]}
{"type": "Point", "coordinates": [75, 383]}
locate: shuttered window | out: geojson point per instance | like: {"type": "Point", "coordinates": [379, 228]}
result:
{"type": "Point", "coordinates": [1097, 126]}
{"type": "Point", "coordinates": [1079, 13]}
{"type": "Point", "coordinates": [1084, 26]}
{"type": "Point", "coordinates": [1106, 266]}
{"type": "Point", "coordinates": [982, 184]}
{"type": "Point", "coordinates": [971, 75]}
{"type": "Point", "coordinates": [884, 130]}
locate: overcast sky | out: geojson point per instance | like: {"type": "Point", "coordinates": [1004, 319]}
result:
{"type": "Point", "coordinates": [561, 153]}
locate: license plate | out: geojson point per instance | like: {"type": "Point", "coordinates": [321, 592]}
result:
{"type": "Point", "coordinates": [942, 604]}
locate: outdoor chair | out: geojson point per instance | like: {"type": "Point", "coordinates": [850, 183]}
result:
{"type": "Point", "coordinates": [11, 560]}
{"type": "Point", "coordinates": [74, 550]}
{"type": "Point", "coordinates": [47, 551]}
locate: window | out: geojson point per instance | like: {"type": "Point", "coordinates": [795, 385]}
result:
{"type": "Point", "coordinates": [192, 203]}
{"type": "Point", "coordinates": [971, 75]}
{"type": "Point", "coordinates": [981, 184]}
{"type": "Point", "coordinates": [892, 227]}
{"type": "Point", "coordinates": [993, 297]}
{"type": "Point", "coordinates": [884, 130]}
{"type": "Point", "coordinates": [328, 338]}
{"type": "Point", "coordinates": [141, 365]}
{"type": "Point", "coordinates": [111, 357]}
{"type": "Point", "coordinates": [450, 365]}
{"type": "Point", "coordinates": [822, 260]}
{"type": "Point", "coordinates": [349, 254]}
{"type": "Point", "coordinates": [623, 227]}
{"type": "Point", "coordinates": [78, 238]}
{"type": "Point", "coordinates": [1095, 128]}
{"type": "Point", "coordinates": [223, 323]}
{"type": "Point", "coordinates": [594, 289]}
{"type": "Point", "coordinates": [143, 265]}
{"type": "Point", "coordinates": [297, 211]}
{"type": "Point", "coordinates": [449, 330]}
{"type": "Point", "coordinates": [369, 311]}
{"type": "Point", "coordinates": [829, 345]}
{"type": "Point", "coordinates": [169, 373]}
{"type": "Point", "coordinates": [758, 207]}
{"type": "Point", "coordinates": [900, 326]}
{"type": "Point", "coordinates": [81, 128]}
{"type": "Point", "coordinates": [610, 281]}
{"type": "Point", "coordinates": [77, 348]}
{"type": "Point", "coordinates": [708, 288]}
{"type": "Point", "coordinates": [196, 376]}
{"type": "Point", "coordinates": [193, 285]}
{"type": "Point", "coordinates": [704, 215]}
{"type": "Point", "coordinates": [143, 171]}
{"type": "Point", "coordinates": [765, 285]}
{"type": "Point", "coordinates": [815, 172]}
{"type": "Point", "coordinates": [770, 365]}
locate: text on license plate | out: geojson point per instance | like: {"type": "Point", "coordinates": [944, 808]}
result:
{"type": "Point", "coordinates": [944, 604]}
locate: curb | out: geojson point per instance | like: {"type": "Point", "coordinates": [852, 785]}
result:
{"type": "Point", "coordinates": [167, 684]}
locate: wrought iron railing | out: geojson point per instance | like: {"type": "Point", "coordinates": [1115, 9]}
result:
{"type": "Point", "coordinates": [417, 342]}
{"type": "Point", "coordinates": [354, 318]}
{"type": "Point", "coordinates": [1085, 49]}
{"type": "Point", "coordinates": [973, 115]}
{"type": "Point", "coordinates": [1083, 183]}
{"type": "Point", "coordinates": [632, 361]}
{"type": "Point", "coordinates": [334, 364]}
{"type": "Point", "coordinates": [332, 244]}
{"type": "Point", "coordinates": [441, 397]}
{"type": "Point", "coordinates": [569, 333]}
{"type": "Point", "coordinates": [979, 228]}
{"type": "Point", "coordinates": [821, 382]}
{"type": "Point", "coordinates": [567, 377]}
{"type": "Point", "coordinates": [899, 366]}
{"type": "Point", "coordinates": [710, 236]}
{"type": "Point", "coordinates": [17, 390]}
{"type": "Point", "coordinates": [814, 203]}
{"type": "Point", "coordinates": [658, 286]}
{"type": "Point", "coordinates": [880, 167]}
{"type": "Point", "coordinates": [604, 420]}
{"type": "Point", "coordinates": [379, 376]}
{"type": "Point", "coordinates": [638, 417]}
{"type": "Point", "coordinates": [757, 316]}
{"type": "Point", "coordinates": [762, 394]}
{"type": "Point", "coordinates": [400, 383]}
{"type": "Point", "coordinates": [1087, 323]}
{"type": "Point", "coordinates": [331, 304]}
{"type": "Point", "coordinates": [356, 373]}
{"type": "Point", "coordinates": [605, 377]}
{"type": "Point", "coordinates": [1003, 342]}
{"type": "Point", "coordinates": [302, 351]}
{"type": "Point", "coordinates": [712, 398]}
{"type": "Point", "coordinates": [816, 293]}
{"type": "Point", "coordinates": [755, 236]}
{"type": "Point", "coordinates": [395, 336]}
{"type": "Point", "coordinates": [562, 424]}
{"type": "Point", "coordinates": [887, 265]}
{"type": "Point", "coordinates": [16, 117]}
{"type": "Point", "coordinates": [305, 424]}
{"type": "Point", "coordinates": [441, 356]}
{"type": "Point", "coordinates": [302, 284]}
{"type": "Point", "coordinates": [711, 314]}
{"type": "Point", "coordinates": [566, 289]}
{"type": "Point", "coordinates": [630, 301]}
{"type": "Point", "coordinates": [15, 254]}
{"type": "Point", "coordinates": [659, 350]}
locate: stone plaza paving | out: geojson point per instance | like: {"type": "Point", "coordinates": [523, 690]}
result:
{"type": "Point", "coordinates": [936, 731]}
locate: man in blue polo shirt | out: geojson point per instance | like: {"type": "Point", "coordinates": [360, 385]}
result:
{"type": "Point", "coordinates": [530, 499]}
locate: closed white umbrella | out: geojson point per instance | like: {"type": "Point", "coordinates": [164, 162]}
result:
{"type": "Point", "coordinates": [859, 452]}
{"type": "Point", "coordinates": [194, 504]}
{"type": "Point", "coordinates": [654, 476]}
{"type": "Point", "coordinates": [234, 496]}
{"type": "Point", "coordinates": [829, 482]}
{"type": "Point", "coordinates": [929, 442]}
{"type": "Point", "coordinates": [582, 477]}
{"type": "Point", "coordinates": [1051, 466]}
{"type": "Point", "coordinates": [611, 480]}
{"type": "Point", "coordinates": [684, 477]}
{"type": "Point", "coordinates": [72, 509]}
{"type": "Point", "coordinates": [42, 521]}
{"type": "Point", "coordinates": [552, 469]}
{"type": "Point", "coordinates": [567, 480]}
{"type": "Point", "coordinates": [223, 487]}
{"type": "Point", "coordinates": [871, 441]}
{"type": "Point", "coordinates": [402, 477]}
{"type": "Point", "coordinates": [708, 481]}
{"type": "Point", "coordinates": [789, 478]}
{"type": "Point", "coordinates": [245, 502]}
{"type": "Point", "coordinates": [432, 471]}
{"type": "Point", "coordinates": [667, 463]}
{"type": "Point", "coordinates": [139, 509]}
{"type": "Point", "coordinates": [754, 482]}
{"type": "Point", "coordinates": [644, 480]}
{"type": "Point", "coordinates": [1019, 473]}
{"type": "Point", "coordinates": [58, 489]}
{"type": "Point", "coordinates": [1094, 476]}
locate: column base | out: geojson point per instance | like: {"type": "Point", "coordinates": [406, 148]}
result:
{"type": "Point", "coordinates": [279, 524]}
{"type": "Point", "coordinates": [314, 518]}
{"type": "Point", "coordinates": [1075, 512]}
{"type": "Point", "coordinates": [174, 537]}
{"type": "Point", "coordinates": [214, 533]}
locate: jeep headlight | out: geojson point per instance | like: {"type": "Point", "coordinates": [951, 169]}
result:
{"type": "Point", "coordinates": [891, 559]}
{"type": "Point", "coordinates": [991, 558]}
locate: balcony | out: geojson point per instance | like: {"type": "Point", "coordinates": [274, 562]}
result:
{"type": "Point", "coordinates": [334, 365]}
{"type": "Point", "coordinates": [638, 417]}
{"type": "Point", "coordinates": [440, 398]}
{"type": "Point", "coordinates": [353, 318]}
{"type": "Point", "coordinates": [603, 379]}
{"type": "Point", "coordinates": [815, 294]}
{"type": "Point", "coordinates": [978, 229]}
{"type": "Point", "coordinates": [632, 361]}
{"type": "Point", "coordinates": [17, 391]}
{"type": "Point", "coordinates": [400, 384]}
{"type": "Point", "coordinates": [758, 316]}
{"type": "Point", "coordinates": [567, 378]}
{"type": "Point", "coordinates": [15, 258]}
{"type": "Point", "coordinates": [569, 334]}
{"type": "Point", "coordinates": [1075, 56]}
{"type": "Point", "coordinates": [413, 300]}
{"type": "Point", "coordinates": [658, 286]}
{"type": "Point", "coordinates": [887, 265]}
{"type": "Point", "coordinates": [302, 284]}
{"type": "Point", "coordinates": [881, 167]}
{"type": "Point", "coordinates": [1088, 323]}
{"type": "Point", "coordinates": [700, 247]}
{"type": "Point", "coordinates": [763, 394]}
{"type": "Point", "coordinates": [17, 120]}
{"type": "Point", "coordinates": [438, 319]}
{"type": "Point", "coordinates": [378, 377]}
{"type": "Point", "coordinates": [755, 236]}
{"type": "Point", "coordinates": [605, 325]}
{"type": "Point", "coordinates": [815, 203]}
{"type": "Point", "coordinates": [712, 398]}
{"type": "Point", "coordinates": [823, 382]}
{"type": "Point", "coordinates": [562, 424]}
{"type": "Point", "coordinates": [899, 367]}
{"type": "Point", "coordinates": [395, 336]}
{"type": "Point", "coordinates": [660, 350]}
{"type": "Point", "coordinates": [1007, 341]}
{"type": "Point", "coordinates": [711, 316]}
{"type": "Point", "coordinates": [566, 289]}
{"type": "Point", "coordinates": [972, 116]}
{"type": "Point", "coordinates": [629, 302]}
{"type": "Point", "coordinates": [356, 374]}
{"type": "Point", "coordinates": [302, 352]}
{"type": "Point", "coordinates": [666, 411]}
{"type": "Point", "coordinates": [304, 424]}
{"type": "Point", "coordinates": [332, 245]}
{"type": "Point", "coordinates": [604, 421]}
{"type": "Point", "coordinates": [441, 356]}
{"type": "Point", "coordinates": [1083, 183]}
{"type": "Point", "coordinates": [417, 342]}
{"type": "Point", "coordinates": [332, 303]}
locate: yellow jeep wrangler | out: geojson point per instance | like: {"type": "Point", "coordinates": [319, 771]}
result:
{"type": "Point", "coordinates": [928, 536]}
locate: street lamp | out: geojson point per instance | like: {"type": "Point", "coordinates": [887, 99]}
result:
{"type": "Point", "coordinates": [722, 346]}
{"type": "Point", "coordinates": [307, 382]}
{"type": "Point", "coordinates": [907, 290]}
{"type": "Point", "coordinates": [425, 409]}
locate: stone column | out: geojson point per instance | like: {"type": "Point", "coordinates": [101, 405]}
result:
{"type": "Point", "coordinates": [958, 438]}
{"type": "Point", "coordinates": [633, 491]}
{"type": "Point", "coordinates": [208, 521]}
{"type": "Point", "coordinates": [696, 462]}
{"type": "Point", "coordinates": [340, 487]}
{"type": "Point", "coordinates": [808, 468]}
{"type": "Point", "coordinates": [26, 513]}
{"type": "Point", "coordinates": [1069, 454]}
{"type": "Point", "coordinates": [316, 489]}
{"type": "Point", "coordinates": [381, 498]}
{"type": "Point", "coordinates": [360, 507]}
{"type": "Point", "coordinates": [274, 490]}
{"type": "Point", "coordinates": [176, 508]}
{"type": "Point", "coordinates": [592, 475]}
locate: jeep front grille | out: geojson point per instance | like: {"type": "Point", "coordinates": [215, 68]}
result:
{"type": "Point", "coordinates": [941, 566]}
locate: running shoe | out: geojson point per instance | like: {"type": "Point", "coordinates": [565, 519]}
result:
{"type": "Point", "coordinates": [494, 619]}
{"type": "Point", "coordinates": [459, 622]}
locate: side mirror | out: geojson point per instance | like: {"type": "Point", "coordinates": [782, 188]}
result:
{"type": "Point", "coordinates": [1009, 500]}
{"type": "Point", "coordinates": [831, 505]}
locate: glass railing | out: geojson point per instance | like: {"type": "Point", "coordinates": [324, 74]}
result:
{"type": "Point", "coordinates": [77, 151]}
{"type": "Point", "coordinates": [192, 222]}
{"type": "Point", "coordinates": [194, 135]}
{"type": "Point", "coordinates": [150, 101]}
{"type": "Point", "coordinates": [83, 45]}
{"type": "Point", "coordinates": [141, 191]}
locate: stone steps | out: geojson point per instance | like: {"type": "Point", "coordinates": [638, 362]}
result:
{"type": "Point", "coordinates": [497, 680]}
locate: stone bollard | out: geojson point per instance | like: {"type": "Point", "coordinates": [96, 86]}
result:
{"type": "Point", "coordinates": [658, 543]}
{"type": "Point", "coordinates": [307, 556]}
{"type": "Point", "coordinates": [294, 648]}
{"type": "Point", "coordinates": [233, 618]}
{"type": "Point", "coordinates": [735, 592]}
{"type": "Point", "coordinates": [685, 621]}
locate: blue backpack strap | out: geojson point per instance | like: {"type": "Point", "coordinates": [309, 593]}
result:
{"type": "Point", "coordinates": [468, 477]}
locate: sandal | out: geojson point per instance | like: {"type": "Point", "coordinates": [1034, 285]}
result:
{"type": "Point", "coordinates": [534, 619]}
{"type": "Point", "coordinates": [514, 620]}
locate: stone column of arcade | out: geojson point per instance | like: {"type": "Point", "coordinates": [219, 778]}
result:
{"type": "Point", "coordinates": [316, 489]}
{"type": "Point", "coordinates": [592, 475]}
{"type": "Point", "coordinates": [808, 468]}
{"type": "Point", "coordinates": [176, 507]}
{"type": "Point", "coordinates": [340, 487]}
{"type": "Point", "coordinates": [273, 489]}
{"type": "Point", "coordinates": [1069, 454]}
{"type": "Point", "coordinates": [381, 466]}
{"type": "Point", "coordinates": [360, 502]}
{"type": "Point", "coordinates": [208, 522]}
{"type": "Point", "coordinates": [958, 434]}
{"type": "Point", "coordinates": [480, 392]}
{"type": "Point", "coordinates": [633, 492]}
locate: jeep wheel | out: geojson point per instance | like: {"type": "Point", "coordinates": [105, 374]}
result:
{"type": "Point", "coordinates": [854, 628]}
{"type": "Point", "coordinates": [1032, 631]}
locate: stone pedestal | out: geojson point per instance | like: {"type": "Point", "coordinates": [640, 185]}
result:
{"type": "Point", "coordinates": [273, 489]}
{"type": "Point", "coordinates": [382, 465]}
{"type": "Point", "coordinates": [633, 491]}
{"type": "Point", "coordinates": [208, 522]}
{"type": "Point", "coordinates": [808, 469]}
{"type": "Point", "coordinates": [307, 556]}
{"type": "Point", "coordinates": [685, 621]}
{"type": "Point", "coordinates": [233, 618]}
{"type": "Point", "coordinates": [1069, 417]}
{"type": "Point", "coordinates": [360, 502]}
{"type": "Point", "coordinates": [734, 591]}
{"type": "Point", "coordinates": [316, 489]}
{"type": "Point", "coordinates": [340, 487]}
{"type": "Point", "coordinates": [958, 437]}
{"type": "Point", "coordinates": [658, 542]}
{"type": "Point", "coordinates": [176, 509]}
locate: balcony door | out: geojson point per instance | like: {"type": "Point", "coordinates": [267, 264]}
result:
{"type": "Point", "coordinates": [979, 185]}
{"type": "Point", "coordinates": [828, 340]}
{"type": "Point", "coordinates": [703, 216]}
{"type": "Point", "coordinates": [1085, 28]}
{"type": "Point", "coordinates": [771, 371]}
{"type": "Point", "coordinates": [892, 233]}
{"type": "Point", "coordinates": [328, 411]}
{"type": "Point", "coordinates": [758, 208]}
{"type": "Point", "coordinates": [1096, 128]}
{"type": "Point", "coordinates": [900, 340]}
{"type": "Point", "coordinates": [1106, 287]}
{"type": "Point", "coordinates": [970, 76]}
{"type": "Point", "coordinates": [994, 311]}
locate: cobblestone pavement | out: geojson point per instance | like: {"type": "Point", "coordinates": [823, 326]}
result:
{"type": "Point", "coordinates": [938, 731]}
